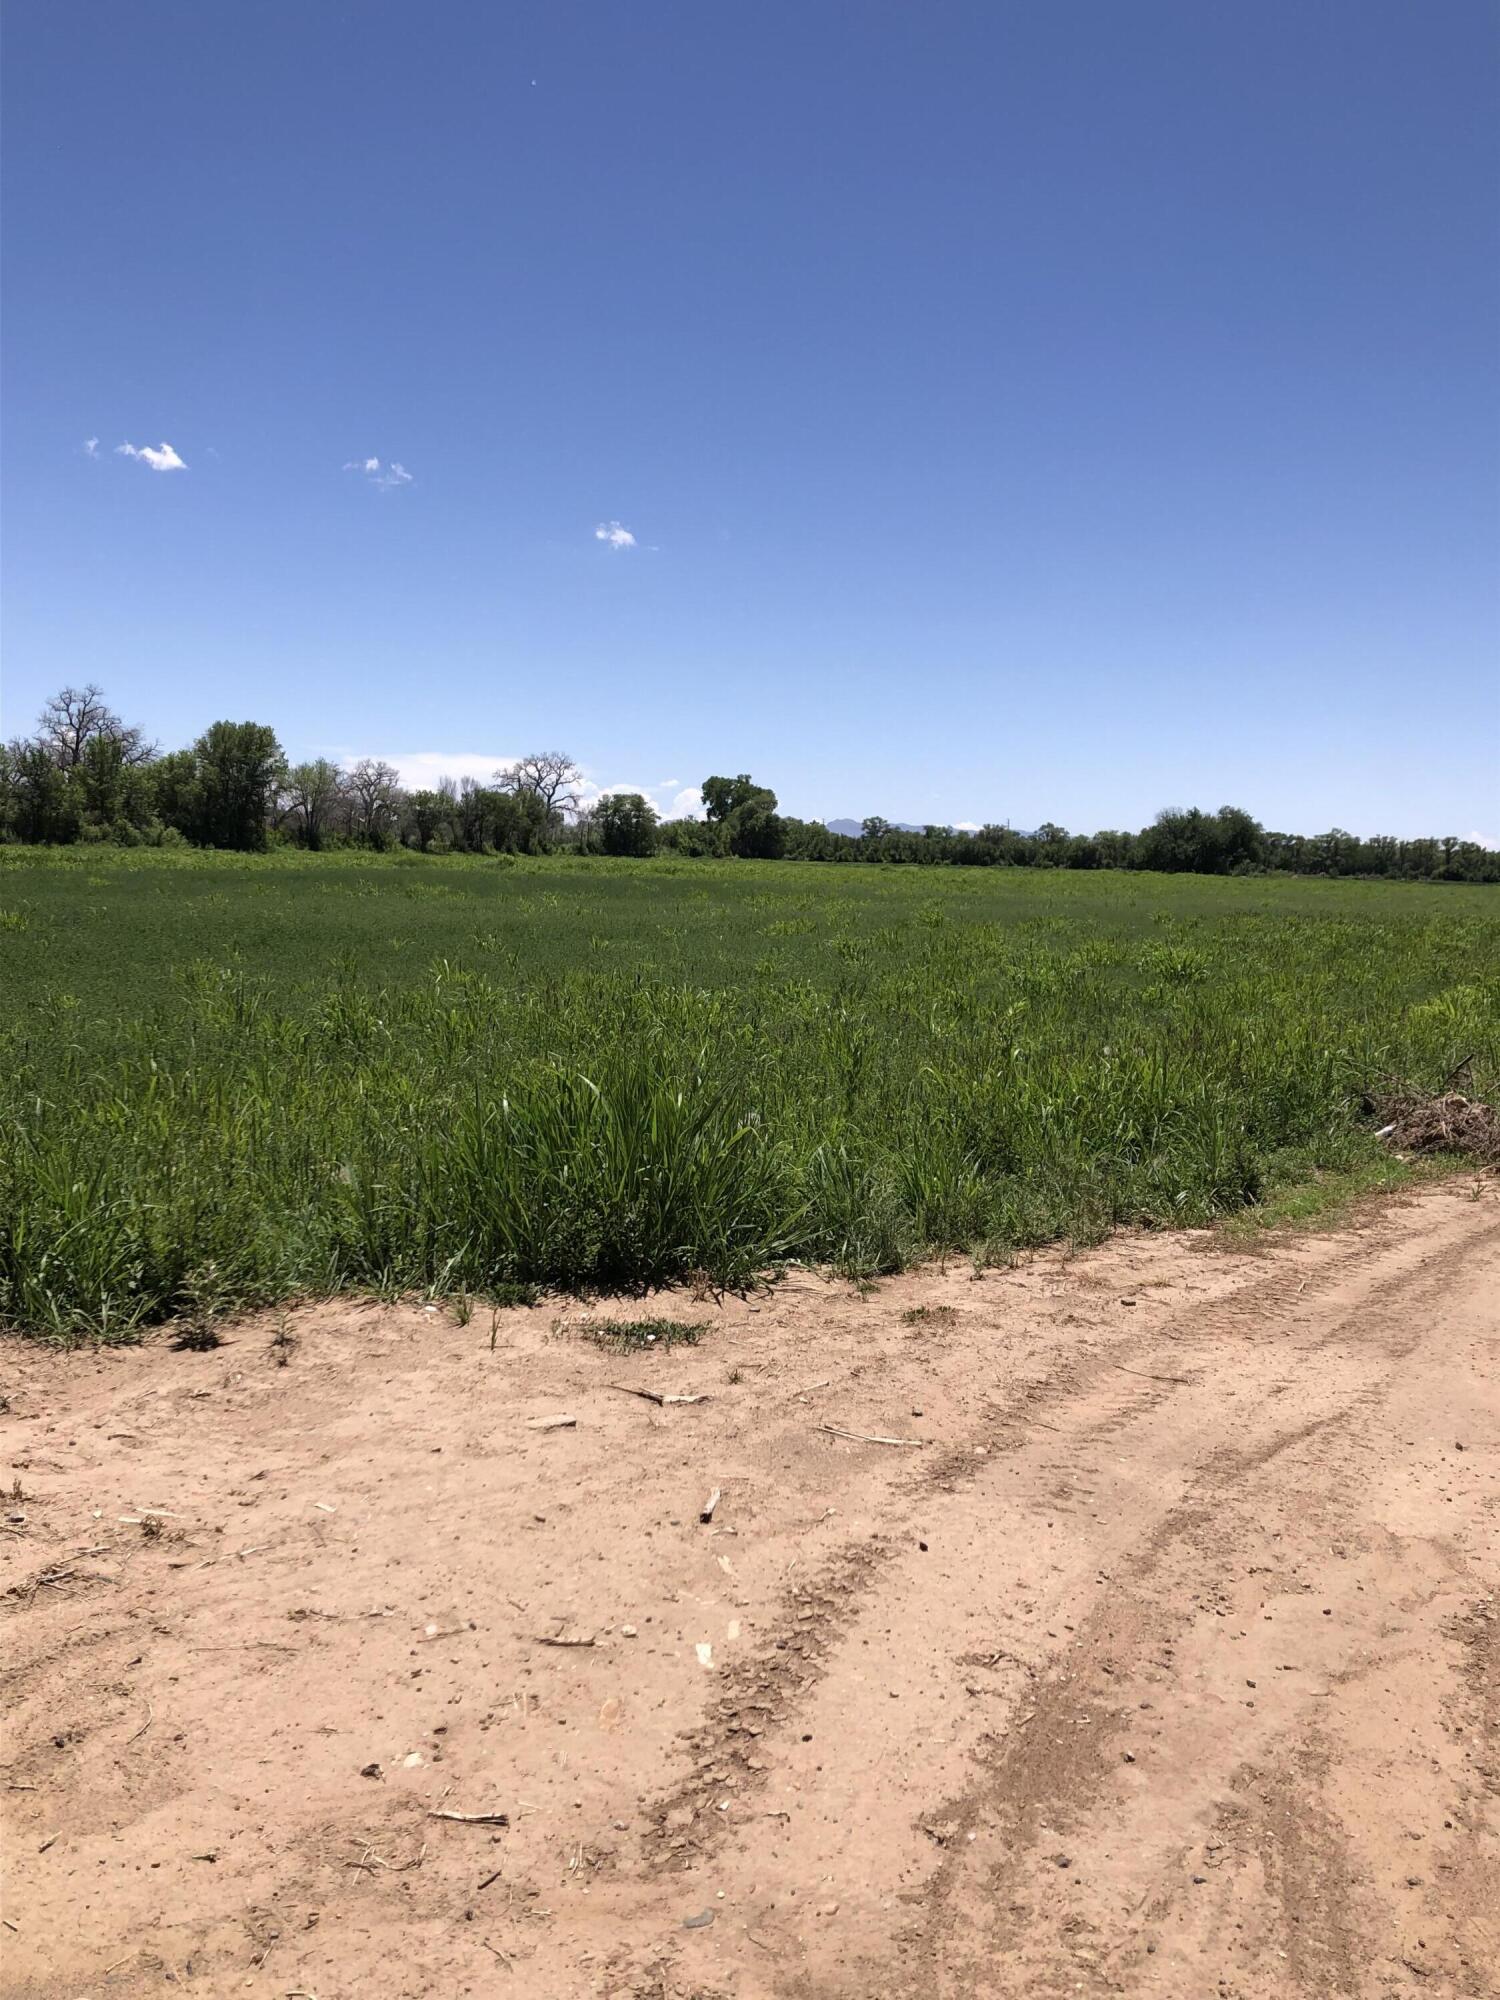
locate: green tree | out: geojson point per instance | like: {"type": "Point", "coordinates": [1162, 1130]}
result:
{"type": "Point", "coordinates": [426, 815]}
{"type": "Point", "coordinates": [722, 796]}
{"type": "Point", "coordinates": [522, 822]}
{"type": "Point", "coordinates": [42, 806]}
{"type": "Point", "coordinates": [625, 823]}
{"type": "Point", "coordinates": [239, 770]}
{"type": "Point", "coordinates": [754, 831]}
{"type": "Point", "coordinates": [312, 796]}
{"type": "Point", "coordinates": [1240, 840]}
{"type": "Point", "coordinates": [174, 791]}
{"type": "Point", "coordinates": [745, 814]}
{"type": "Point", "coordinates": [693, 837]}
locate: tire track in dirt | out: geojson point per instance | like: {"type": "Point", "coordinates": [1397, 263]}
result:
{"type": "Point", "coordinates": [1152, 1472]}
{"type": "Point", "coordinates": [756, 1699]}
{"type": "Point", "coordinates": [1049, 1758]}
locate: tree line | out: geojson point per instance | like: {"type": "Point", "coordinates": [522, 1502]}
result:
{"type": "Point", "coordinates": [85, 775]}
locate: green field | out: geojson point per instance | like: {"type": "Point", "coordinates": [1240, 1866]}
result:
{"type": "Point", "coordinates": [227, 1079]}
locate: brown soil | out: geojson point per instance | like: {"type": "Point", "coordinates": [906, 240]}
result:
{"type": "Point", "coordinates": [1168, 1662]}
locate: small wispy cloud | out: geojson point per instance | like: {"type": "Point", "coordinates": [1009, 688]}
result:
{"type": "Point", "coordinates": [616, 536]}
{"type": "Point", "coordinates": [384, 476]}
{"type": "Point", "coordinates": [1483, 839]}
{"type": "Point", "coordinates": [160, 458]}
{"type": "Point", "coordinates": [91, 447]}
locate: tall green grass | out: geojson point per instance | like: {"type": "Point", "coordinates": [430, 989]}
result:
{"type": "Point", "coordinates": [233, 1082]}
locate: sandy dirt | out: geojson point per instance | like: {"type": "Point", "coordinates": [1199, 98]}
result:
{"type": "Point", "coordinates": [1163, 1660]}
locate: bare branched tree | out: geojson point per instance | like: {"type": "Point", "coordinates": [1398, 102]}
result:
{"type": "Point", "coordinates": [551, 775]}
{"type": "Point", "coordinates": [77, 717]}
{"type": "Point", "coordinates": [311, 798]}
{"type": "Point", "coordinates": [375, 795]}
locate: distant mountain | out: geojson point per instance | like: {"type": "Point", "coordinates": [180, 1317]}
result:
{"type": "Point", "coordinates": [853, 826]}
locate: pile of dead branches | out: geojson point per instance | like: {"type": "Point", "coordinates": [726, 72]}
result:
{"type": "Point", "coordinates": [1419, 1121]}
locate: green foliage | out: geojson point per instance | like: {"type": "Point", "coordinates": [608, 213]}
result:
{"type": "Point", "coordinates": [228, 1079]}
{"type": "Point", "coordinates": [625, 823]}
{"type": "Point", "coordinates": [722, 796]}
{"type": "Point", "coordinates": [237, 768]}
{"type": "Point", "coordinates": [628, 1336]}
{"type": "Point", "coordinates": [745, 817]}
{"type": "Point", "coordinates": [88, 777]}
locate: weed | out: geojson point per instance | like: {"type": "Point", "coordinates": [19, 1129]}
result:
{"type": "Point", "coordinates": [509, 1292]}
{"type": "Point", "coordinates": [929, 1316]}
{"type": "Point", "coordinates": [631, 1335]}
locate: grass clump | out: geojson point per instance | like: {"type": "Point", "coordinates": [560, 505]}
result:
{"type": "Point", "coordinates": [633, 1336]}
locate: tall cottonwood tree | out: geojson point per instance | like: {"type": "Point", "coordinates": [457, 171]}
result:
{"type": "Point", "coordinates": [374, 789]}
{"type": "Point", "coordinates": [76, 717]}
{"type": "Point", "coordinates": [312, 798]}
{"type": "Point", "coordinates": [550, 775]}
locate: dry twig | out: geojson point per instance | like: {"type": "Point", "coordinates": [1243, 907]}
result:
{"type": "Point", "coordinates": [653, 1395]}
{"type": "Point", "coordinates": [865, 1437]}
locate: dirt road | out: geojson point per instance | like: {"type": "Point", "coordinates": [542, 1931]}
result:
{"type": "Point", "coordinates": [1162, 1657]}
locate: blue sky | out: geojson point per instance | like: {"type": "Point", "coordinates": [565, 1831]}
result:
{"type": "Point", "coordinates": [1019, 411]}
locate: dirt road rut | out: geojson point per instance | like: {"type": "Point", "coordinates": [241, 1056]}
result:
{"type": "Point", "coordinates": [1161, 1657]}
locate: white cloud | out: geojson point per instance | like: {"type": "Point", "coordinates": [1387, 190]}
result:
{"type": "Point", "coordinates": [386, 477]}
{"type": "Point", "coordinates": [1483, 839]}
{"type": "Point", "coordinates": [160, 459]}
{"type": "Point", "coordinates": [681, 805]}
{"type": "Point", "coordinates": [91, 447]}
{"type": "Point", "coordinates": [615, 535]}
{"type": "Point", "coordinates": [419, 770]}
